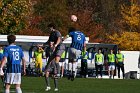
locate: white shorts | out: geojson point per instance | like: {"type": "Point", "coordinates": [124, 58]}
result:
{"type": "Point", "coordinates": [74, 54]}
{"type": "Point", "coordinates": [13, 78]}
{"type": "Point", "coordinates": [111, 67]}
{"type": "Point", "coordinates": [61, 63]}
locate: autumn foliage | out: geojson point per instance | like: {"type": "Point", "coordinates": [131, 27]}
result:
{"type": "Point", "coordinates": [103, 21]}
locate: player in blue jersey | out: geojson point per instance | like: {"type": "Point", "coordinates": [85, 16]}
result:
{"type": "Point", "coordinates": [77, 45]}
{"type": "Point", "coordinates": [14, 55]}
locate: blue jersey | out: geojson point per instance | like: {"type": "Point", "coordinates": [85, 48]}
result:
{"type": "Point", "coordinates": [78, 39]}
{"type": "Point", "coordinates": [14, 55]}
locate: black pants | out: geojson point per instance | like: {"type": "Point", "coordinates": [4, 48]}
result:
{"type": "Point", "coordinates": [100, 67]}
{"type": "Point", "coordinates": [84, 69]}
{"type": "Point", "coordinates": [120, 66]}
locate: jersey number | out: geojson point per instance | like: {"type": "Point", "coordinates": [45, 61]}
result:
{"type": "Point", "coordinates": [78, 37]}
{"type": "Point", "coordinates": [16, 55]}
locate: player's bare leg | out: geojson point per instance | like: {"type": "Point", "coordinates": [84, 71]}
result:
{"type": "Point", "coordinates": [47, 81]}
{"type": "Point", "coordinates": [57, 66]}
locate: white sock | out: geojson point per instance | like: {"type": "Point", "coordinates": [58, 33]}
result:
{"type": "Point", "coordinates": [18, 90]}
{"type": "Point", "coordinates": [7, 91]}
{"type": "Point", "coordinates": [70, 67]}
{"type": "Point", "coordinates": [74, 67]}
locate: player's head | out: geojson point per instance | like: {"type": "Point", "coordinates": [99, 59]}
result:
{"type": "Point", "coordinates": [11, 39]}
{"type": "Point", "coordinates": [51, 26]}
{"type": "Point", "coordinates": [119, 50]}
{"type": "Point", "coordinates": [99, 50]}
{"type": "Point", "coordinates": [111, 51]}
{"type": "Point", "coordinates": [71, 29]}
{"type": "Point", "coordinates": [0, 47]}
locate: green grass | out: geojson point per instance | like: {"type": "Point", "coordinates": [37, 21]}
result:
{"type": "Point", "coordinates": [80, 85]}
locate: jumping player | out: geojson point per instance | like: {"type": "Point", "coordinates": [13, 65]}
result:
{"type": "Point", "coordinates": [59, 48]}
{"type": "Point", "coordinates": [77, 45]}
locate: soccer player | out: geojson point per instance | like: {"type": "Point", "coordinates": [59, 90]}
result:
{"type": "Point", "coordinates": [99, 61]}
{"type": "Point", "coordinates": [38, 59]}
{"type": "Point", "coordinates": [61, 63]}
{"type": "Point", "coordinates": [59, 48]}
{"type": "Point", "coordinates": [50, 68]}
{"type": "Point", "coordinates": [84, 64]}
{"type": "Point", "coordinates": [14, 55]}
{"type": "Point", "coordinates": [77, 45]}
{"type": "Point", "coordinates": [111, 64]}
{"type": "Point", "coordinates": [120, 63]}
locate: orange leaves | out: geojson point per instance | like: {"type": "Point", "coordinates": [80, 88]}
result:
{"type": "Point", "coordinates": [13, 15]}
{"type": "Point", "coordinates": [131, 16]}
{"type": "Point", "coordinates": [126, 40]}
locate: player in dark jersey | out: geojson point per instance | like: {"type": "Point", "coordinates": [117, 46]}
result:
{"type": "Point", "coordinates": [59, 48]}
{"type": "Point", "coordinates": [77, 45]}
{"type": "Point", "coordinates": [14, 55]}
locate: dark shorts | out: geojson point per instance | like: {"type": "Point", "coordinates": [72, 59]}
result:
{"type": "Point", "coordinates": [59, 50]}
{"type": "Point", "coordinates": [50, 67]}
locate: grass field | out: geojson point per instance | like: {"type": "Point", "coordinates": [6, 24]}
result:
{"type": "Point", "coordinates": [79, 85]}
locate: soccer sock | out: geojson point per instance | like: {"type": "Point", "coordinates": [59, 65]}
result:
{"type": "Point", "coordinates": [57, 67]}
{"type": "Point", "coordinates": [56, 83]}
{"type": "Point", "coordinates": [74, 67]}
{"type": "Point", "coordinates": [7, 91]}
{"type": "Point", "coordinates": [18, 90]}
{"type": "Point", "coordinates": [70, 67]}
{"type": "Point", "coordinates": [47, 81]}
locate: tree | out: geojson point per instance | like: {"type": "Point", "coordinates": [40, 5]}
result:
{"type": "Point", "coordinates": [13, 14]}
{"type": "Point", "coordinates": [126, 40]}
{"type": "Point", "coordinates": [131, 15]}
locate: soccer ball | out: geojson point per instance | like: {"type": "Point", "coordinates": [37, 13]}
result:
{"type": "Point", "coordinates": [74, 18]}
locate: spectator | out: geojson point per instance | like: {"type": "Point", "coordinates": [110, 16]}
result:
{"type": "Point", "coordinates": [38, 59]}
{"type": "Point", "coordinates": [120, 63]}
{"type": "Point", "coordinates": [99, 61]}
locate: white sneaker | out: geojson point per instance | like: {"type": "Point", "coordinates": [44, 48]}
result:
{"type": "Point", "coordinates": [56, 89]}
{"type": "Point", "coordinates": [48, 88]}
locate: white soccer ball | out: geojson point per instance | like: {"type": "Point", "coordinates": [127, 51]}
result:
{"type": "Point", "coordinates": [74, 18]}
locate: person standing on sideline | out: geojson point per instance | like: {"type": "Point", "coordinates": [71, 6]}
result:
{"type": "Point", "coordinates": [77, 45]}
{"type": "Point", "coordinates": [14, 55]}
{"type": "Point", "coordinates": [111, 64]}
{"type": "Point", "coordinates": [84, 66]}
{"type": "Point", "coordinates": [62, 62]}
{"type": "Point", "coordinates": [56, 37]}
{"type": "Point", "coordinates": [120, 63]}
{"type": "Point", "coordinates": [38, 59]}
{"type": "Point", "coordinates": [99, 61]}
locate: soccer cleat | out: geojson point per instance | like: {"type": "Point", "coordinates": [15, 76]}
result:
{"type": "Point", "coordinates": [56, 89]}
{"type": "Point", "coordinates": [48, 88]}
{"type": "Point", "coordinates": [72, 77]}
{"type": "Point", "coordinates": [69, 77]}
{"type": "Point", "coordinates": [86, 76]}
